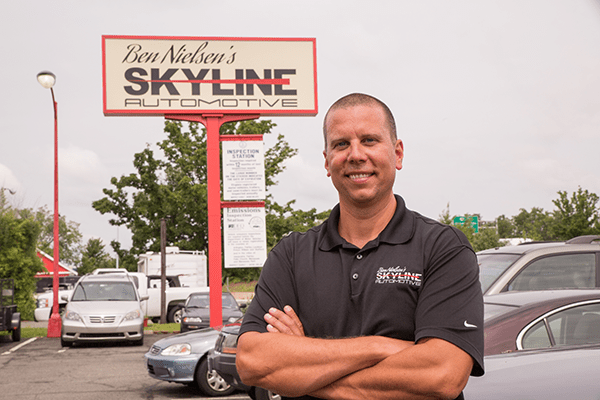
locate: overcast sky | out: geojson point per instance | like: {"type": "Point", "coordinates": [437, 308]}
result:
{"type": "Point", "coordinates": [497, 102]}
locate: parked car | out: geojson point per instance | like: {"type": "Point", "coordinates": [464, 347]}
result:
{"type": "Point", "coordinates": [222, 360]}
{"type": "Point", "coordinates": [103, 308]}
{"type": "Point", "coordinates": [539, 266]}
{"type": "Point", "coordinates": [541, 319]}
{"type": "Point", "coordinates": [182, 358]}
{"type": "Point", "coordinates": [10, 319]}
{"type": "Point", "coordinates": [196, 311]}
{"type": "Point", "coordinates": [543, 374]}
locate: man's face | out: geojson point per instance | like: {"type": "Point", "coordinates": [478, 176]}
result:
{"type": "Point", "coordinates": [361, 157]}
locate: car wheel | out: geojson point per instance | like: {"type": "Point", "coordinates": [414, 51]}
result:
{"type": "Point", "coordinates": [264, 394]}
{"type": "Point", "coordinates": [175, 315]}
{"type": "Point", "coordinates": [210, 383]}
{"type": "Point", "coordinates": [64, 343]}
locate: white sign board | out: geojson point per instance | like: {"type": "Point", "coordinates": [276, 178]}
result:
{"type": "Point", "coordinates": [149, 75]}
{"type": "Point", "coordinates": [243, 170]}
{"type": "Point", "coordinates": [245, 237]}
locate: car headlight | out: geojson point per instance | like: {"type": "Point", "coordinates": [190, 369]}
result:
{"type": "Point", "coordinates": [231, 320]}
{"type": "Point", "coordinates": [192, 319]}
{"type": "Point", "coordinates": [42, 303]}
{"type": "Point", "coordinates": [181, 349]}
{"type": "Point", "coordinates": [133, 315]}
{"type": "Point", "coordinates": [72, 316]}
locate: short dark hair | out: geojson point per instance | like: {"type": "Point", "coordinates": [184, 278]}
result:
{"type": "Point", "coordinates": [357, 99]}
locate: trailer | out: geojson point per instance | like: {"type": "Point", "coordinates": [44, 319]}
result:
{"type": "Point", "coordinates": [10, 319]}
{"type": "Point", "coordinates": [189, 266]}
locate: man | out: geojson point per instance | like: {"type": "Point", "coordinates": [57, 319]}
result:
{"type": "Point", "coordinates": [378, 302]}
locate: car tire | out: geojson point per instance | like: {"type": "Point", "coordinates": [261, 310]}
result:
{"type": "Point", "coordinates": [64, 343]}
{"type": "Point", "coordinates": [175, 315]}
{"type": "Point", "coordinates": [263, 394]}
{"type": "Point", "coordinates": [211, 383]}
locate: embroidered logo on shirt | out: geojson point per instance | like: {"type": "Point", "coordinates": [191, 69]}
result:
{"type": "Point", "coordinates": [397, 275]}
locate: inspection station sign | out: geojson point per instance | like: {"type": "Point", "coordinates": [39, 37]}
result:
{"type": "Point", "coordinates": [149, 75]}
{"type": "Point", "coordinates": [243, 170]}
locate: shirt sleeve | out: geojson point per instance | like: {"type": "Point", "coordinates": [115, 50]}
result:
{"type": "Point", "coordinates": [275, 287]}
{"type": "Point", "coordinates": [450, 305]}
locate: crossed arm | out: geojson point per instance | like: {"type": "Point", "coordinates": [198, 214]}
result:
{"type": "Point", "coordinates": [287, 362]}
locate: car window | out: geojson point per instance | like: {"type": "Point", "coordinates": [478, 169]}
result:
{"type": "Point", "coordinates": [200, 301]}
{"type": "Point", "coordinates": [558, 271]}
{"type": "Point", "coordinates": [104, 291]}
{"type": "Point", "coordinates": [491, 266]}
{"type": "Point", "coordinates": [570, 326]}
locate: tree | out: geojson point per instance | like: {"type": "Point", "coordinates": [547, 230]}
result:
{"type": "Point", "coordinates": [94, 256]}
{"type": "Point", "coordinates": [576, 216]}
{"type": "Point", "coordinates": [173, 186]}
{"type": "Point", "coordinates": [534, 224]}
{"type": "Point", "coordinates": [18, 258]}
{"type": "Point", "coordinates": [505, 227]}
{"type": "Point", "coordinates": [69, 236]}
{"type": "Point", "coordinates": [486, 238]}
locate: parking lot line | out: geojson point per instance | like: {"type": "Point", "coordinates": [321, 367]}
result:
{"type": "Point", "coordinates": [17, 347]}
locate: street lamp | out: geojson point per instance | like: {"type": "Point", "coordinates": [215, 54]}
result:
{"type": "Point", "coordinates": [47, 79]}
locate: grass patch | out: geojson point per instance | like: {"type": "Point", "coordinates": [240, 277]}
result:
{"type": "Point", "coordinates": [27, 333]}
{"type": "Point", "coordinates": [241, 286]}
{"type": "Point", "coordinates": [163, 327]}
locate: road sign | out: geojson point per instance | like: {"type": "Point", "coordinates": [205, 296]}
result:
{"type": "Point", "coordinates": [462, 219]}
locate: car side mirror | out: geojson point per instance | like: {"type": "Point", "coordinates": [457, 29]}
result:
{"type": "Point", "coordinates": [64, 297]}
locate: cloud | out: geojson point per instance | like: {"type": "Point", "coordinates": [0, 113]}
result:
{"type": "Point", "coordinates": [8, 180]}
{"type": "Point", "coordinates": [81, 165]}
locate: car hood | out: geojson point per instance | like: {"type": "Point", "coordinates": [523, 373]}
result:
{"type": "Point", "coordinates": [198, 339]}
{"type": "Point", "coordinates": [197, 312]}
{"type": "Point", "coordinates": [102, 307]}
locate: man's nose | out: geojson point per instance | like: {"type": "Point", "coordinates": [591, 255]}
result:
{"type": "Point", "coordinates": [356, 153]}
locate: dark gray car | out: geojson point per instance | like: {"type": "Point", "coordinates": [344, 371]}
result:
{"type": "Point", "coordinates": [196, 311]}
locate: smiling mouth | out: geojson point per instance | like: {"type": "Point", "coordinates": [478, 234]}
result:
{"type": "Point", "coordinates": [359, 176]}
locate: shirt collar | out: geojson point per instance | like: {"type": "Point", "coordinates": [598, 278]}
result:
{"type": "Point", "coordinates": [399, 230]}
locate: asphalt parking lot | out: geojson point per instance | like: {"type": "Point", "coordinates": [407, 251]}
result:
{"type": "Point", "coordinates": [41, 369]}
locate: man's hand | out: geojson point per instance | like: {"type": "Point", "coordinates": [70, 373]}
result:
{"type": "Point", "coordinates": [285, 321]}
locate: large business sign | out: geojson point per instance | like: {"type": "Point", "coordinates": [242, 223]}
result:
{"type": "Point", "coordinates": [145, 75]}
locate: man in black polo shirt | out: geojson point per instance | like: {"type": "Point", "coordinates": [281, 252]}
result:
{"type": "Point", "coordinates": [378, 301]}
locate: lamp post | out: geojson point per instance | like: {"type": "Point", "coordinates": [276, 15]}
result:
{"type": "Point", "coordinates": [47, 79]}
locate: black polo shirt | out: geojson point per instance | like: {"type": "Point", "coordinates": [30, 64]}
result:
{"type": "Point", "coordinates": [418, 279]}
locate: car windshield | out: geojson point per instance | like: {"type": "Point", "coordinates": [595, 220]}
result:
{"type": "Point", "coordinates": [491, 266]}
{"type": "Point", "coordinates": [203, 301]}
{"type": "Point", "coordinates": [104, 291]}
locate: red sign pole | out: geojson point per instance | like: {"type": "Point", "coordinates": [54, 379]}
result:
{"type": "Point", "coordinates": [212, 123]}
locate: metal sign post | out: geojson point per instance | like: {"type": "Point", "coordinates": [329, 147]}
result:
{"type": "Point", "coordinates": [212, 123]}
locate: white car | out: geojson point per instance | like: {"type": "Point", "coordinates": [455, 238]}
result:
{"type": "Point", "coordinates": [103, 308]}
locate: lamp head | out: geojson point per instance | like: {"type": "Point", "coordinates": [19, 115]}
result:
{"type": "Point", "coordinates": [46, 79]}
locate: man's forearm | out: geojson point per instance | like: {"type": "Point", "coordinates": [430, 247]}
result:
{"type": "Point", "coordinates": [433, 369]}
{"type": "Point", "coordinates": [294, 366]}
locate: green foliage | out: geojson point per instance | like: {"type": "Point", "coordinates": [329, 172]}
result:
{"type": "Point", "coordinates": [18, 258]}
{"type": "Point", "coordinates": [69, 236]}
{"type": "Point", "coordinates": [576, 216]}
{"type": "Point", "coordinates": [94, 256]}
{"type": "Point", "coordinates": [534, 224]}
